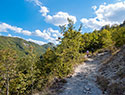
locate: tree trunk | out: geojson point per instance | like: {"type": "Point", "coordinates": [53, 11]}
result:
{"type": "Point", "coordinates": [32, 79]}
{"type": "Point", "coordinates": [7, 85]}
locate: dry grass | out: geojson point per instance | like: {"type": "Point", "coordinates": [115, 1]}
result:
{"type": "Point", "coordinates": [108, 60]}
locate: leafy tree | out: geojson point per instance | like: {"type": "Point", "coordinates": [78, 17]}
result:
{"type": "Point", "coordinates": [68, 50]}
{"type": "Point", "coordinates": [105, 38]}
{"type": "Point", "coordinates": [70, 43]}
{"type": "Point", "coordinates": [7, 69]}
{"type": "Point", "coordinates": [118, 35]}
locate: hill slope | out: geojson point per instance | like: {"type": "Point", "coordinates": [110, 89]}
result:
{"type": "Point", "coordinates": [112, 74]}
{"type": "Point", "coordinates": [22, 46]}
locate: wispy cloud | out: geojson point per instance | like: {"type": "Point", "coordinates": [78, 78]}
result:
{"type": "Point", "coordinates": [36, 41]}
{"type": "Point", "coordinates": [30, 40]}
{"type": "Point", "coordinates": [43, 9]}
{"type": "Point", "coordinates": [37, 2]}
{"type": "Point", "coordinates": [50, 35]}
{"type": "Point", "coordinates": [5, 27]}
{"type": "Point", "coordinates": [94, 7]}
{"type": "Point", "coordinates": [60, 18]}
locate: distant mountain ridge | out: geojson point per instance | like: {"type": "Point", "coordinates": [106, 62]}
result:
{"type": "Point", "coordinates": [22, 46]}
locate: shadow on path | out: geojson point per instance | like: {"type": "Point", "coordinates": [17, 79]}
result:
{"type": "Point", "coordinates": [83, 81]}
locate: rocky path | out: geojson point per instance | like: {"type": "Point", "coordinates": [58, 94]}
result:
{"type": "Point", "coordinates": [83, 80]}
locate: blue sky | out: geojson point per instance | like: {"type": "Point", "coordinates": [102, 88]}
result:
{"type": "Point", "coordinates": [38, 20]}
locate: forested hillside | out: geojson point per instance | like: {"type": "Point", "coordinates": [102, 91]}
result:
{"type": "Point", "coordinates": [22, 46]}
{"type": "Point", "coordinates": [28, 74]}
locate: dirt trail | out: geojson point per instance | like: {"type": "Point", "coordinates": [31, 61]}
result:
{"type": "Point", "coordinates": [83, 80]}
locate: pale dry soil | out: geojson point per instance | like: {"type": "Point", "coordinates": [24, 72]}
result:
{"type": "Point", "coordinates": [83, 81]}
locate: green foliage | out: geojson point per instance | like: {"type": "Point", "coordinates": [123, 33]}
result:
{"type": "Point", "coordinates": [47, 63]}
{"type": "Point", "coordinates": [105, 38]}
{"type": "Point", "coordinates": [22, 71]}
{"type": "Point", "coordinates": [7, 70]}
{"type": "Point", "coordinates": [22, 47]}
{"type": "Point", "coordinates": [59, 62]}
{"type": "Point", "coordinates": [68, 50]}
{"type": "Point", "coordinates": [70, 43]}
{"type": "Point", "coordinates": [17, 76]}
{"type": "Point", "coordinates": [118, 36]}
{"type": "Point", "coordinates": [98, 39]}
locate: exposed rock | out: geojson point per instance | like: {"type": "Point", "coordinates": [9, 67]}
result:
{"type": "Point", "coordinates": [112, 74]}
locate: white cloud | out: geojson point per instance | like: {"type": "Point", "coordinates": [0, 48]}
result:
{"type": "Point", "coordinates": [60, 18]}
{"type": "Point", "coordinates": [104, 3]}
{"type": "Point", "coordinates": [44, 10]}
{"type": "Point", "coordinates": [55, 35]}
{"type": "Point", "coordinates": [36, 41]}
{"type": "Point", "coordinates": [31, 40]}
{"type": "Point", "coordinates": [26, 32]}
{"type": "Point", "coordinates": [43, 34]}
{"type": "Point", "coordinates": [5, 27]}
{"type": "Point", "coordinates": [93, 23]}
{"type": "Point", "coordinates": [106, 14]}
{"type": "Point", "coordinates": [50, 35]}
{"type": "Point", "coordinates": [94, 7]}
{"type": "Point", "coordinates": [9, 35]}
{"type": "Point", "coordinates": [37, 2]}
{"type": "Point", "coordinates": [52, 31]}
